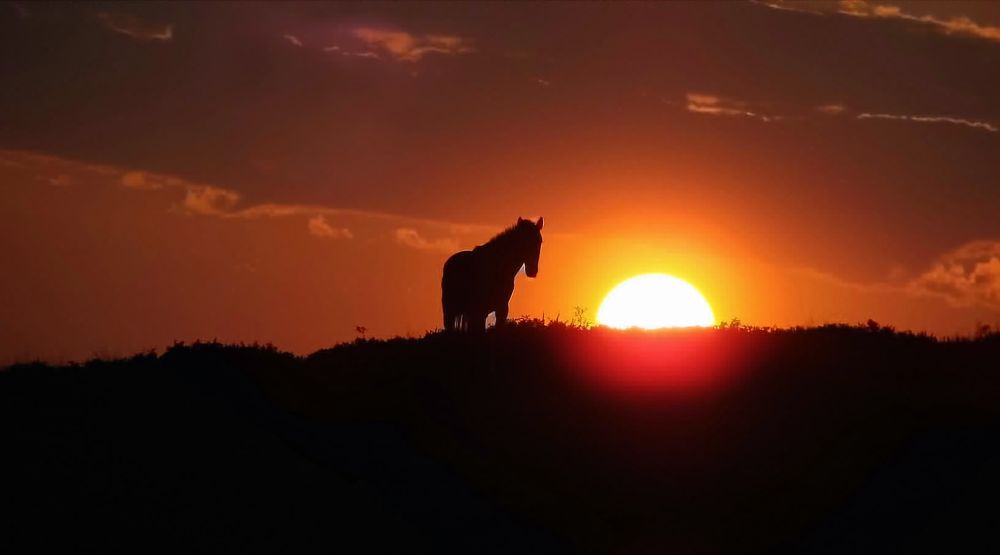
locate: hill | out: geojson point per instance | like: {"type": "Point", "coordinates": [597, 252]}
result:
{"type": "Point", "coordinates": [528, 438]}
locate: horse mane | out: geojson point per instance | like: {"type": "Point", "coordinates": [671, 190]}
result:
{"type": "Point", "coordinates": [504, 236]}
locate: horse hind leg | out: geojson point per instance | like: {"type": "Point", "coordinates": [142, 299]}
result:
{"type": "Point", "coordinates": [452, 314]}
{"type": "Point", "coordinates": [464, 321]}
{"type": "Point", "coordinates": [477, 322]}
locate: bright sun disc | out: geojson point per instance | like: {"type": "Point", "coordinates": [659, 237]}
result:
{"type": "Point", "coordinates": [652, 301]}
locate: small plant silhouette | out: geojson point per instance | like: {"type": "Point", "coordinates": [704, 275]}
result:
{"type": "Point", "coordinates": [580, 319]}
{"type": "Point", "coordinates": [362, 331]}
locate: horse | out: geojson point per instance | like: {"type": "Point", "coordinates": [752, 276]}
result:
{"type": "Point", "coordinates": [478, 282]}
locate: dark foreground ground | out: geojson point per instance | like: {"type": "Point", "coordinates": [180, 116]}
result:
{"type": "Point", "coordinates": [528, 439]}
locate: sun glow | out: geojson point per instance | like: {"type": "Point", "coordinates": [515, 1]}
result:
{"type": "Point", "coordinates": [652, 301]}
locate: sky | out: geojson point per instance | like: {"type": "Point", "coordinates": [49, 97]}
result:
{"type": "Point", "coordinates": [286, 173]}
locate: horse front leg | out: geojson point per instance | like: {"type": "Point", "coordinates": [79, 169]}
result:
{"type": "Point", "coordinates": [501, 314]}
{"type": "Point", "coordinates": [477, 322]}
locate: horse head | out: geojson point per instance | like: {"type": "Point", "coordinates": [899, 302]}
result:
{"type": "Point", "coordinates": [531, 244]}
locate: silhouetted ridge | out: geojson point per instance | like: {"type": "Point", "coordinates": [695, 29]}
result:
{"type": "Point", "coordinates": [528, 438]}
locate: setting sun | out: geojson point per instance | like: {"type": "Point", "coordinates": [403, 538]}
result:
{"type": "Point", "coordinates": [652, 301]}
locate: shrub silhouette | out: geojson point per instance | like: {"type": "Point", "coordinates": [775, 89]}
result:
{"type": "Point", "coordinates": [830, 438]}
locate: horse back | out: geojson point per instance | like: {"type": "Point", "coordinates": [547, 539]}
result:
{"type": "Point", "coordinates": [458, 262]}
{"type": "Point", "coordinates": [458, 268]}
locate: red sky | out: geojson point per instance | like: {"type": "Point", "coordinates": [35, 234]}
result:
{"type": "Point", "coordinates": [285, 172]}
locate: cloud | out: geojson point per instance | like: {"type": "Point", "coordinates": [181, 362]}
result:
{"type": "Point", "coordinates": [220, 202]}
{"type": "Point", "coordinates": [147, 181]}
{"type": "Point", "coordinates": [968, 275]}
{"type": "Point", "coordinates": [933, 119]}
{"type": "Point", "coordinates": [376, 43]}
{"type": "Point", "coordinates": [408, 47]}
{"type": "Point", "coordinates": [712, 105]}
{"type": "Point", "coordinates": [410, 238]}
{"type": "Point", "coordinates": [59, 180]}
{"type": "Point", "coordinates": [831, 109]}
{"type": "Point", "coordinates": [319, 227]}
{"type": "Point", "coordinates": [959, 25]}
{"type": "Point", "coordinates": [136, 28]}
{"type": "Point", "coordinates": [354, 54]}
{"type": "Point", "coordinates": [207, 200]}
{"type": "Point", "coordinates": [861, 287]}
{"type": "Point", "coordinates": [364, 54]}
{"type": "Point", "coordinates": [785, 6]}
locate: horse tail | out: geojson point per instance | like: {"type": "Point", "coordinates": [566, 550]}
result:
{"type": "Point", "coordinates": [452, 287]}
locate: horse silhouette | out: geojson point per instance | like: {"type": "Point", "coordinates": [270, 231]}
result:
{"type": "Point", "coordinates": [478, 282]}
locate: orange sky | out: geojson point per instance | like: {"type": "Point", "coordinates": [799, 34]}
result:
{"type": "Point", "coordinates": [286, 172]}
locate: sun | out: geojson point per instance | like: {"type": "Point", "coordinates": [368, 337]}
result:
{"type": "Point", "coordinates": [652, 301]}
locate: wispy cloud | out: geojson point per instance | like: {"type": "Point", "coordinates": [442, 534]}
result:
{"type": "Point", "coordinates": [831, 109]}
{"type": "Point", "coordinates": [956, 25]}
{"type": "Point", "coordinates": [860, 287]}
{"type": "Point", "coordinates": [985, 126]}
{"type": "Point", "coordinates": [8, 163]}
{"type": "Point", "coordinates": [409, 47]}
{"type": "Point", "coordinates": [198, 199]}
{"type": "Point", "coordinates": [58, 180]}
{"type": "Point", "coordinates": [786, 6]}
{"type": "Point", "coordinates": [352, 53]}
{"type": "Point", "coordinates": [147, 181]}
{"type": "Point", "coordinates": [363, 54]}
{"type": "Point", "coordinates": [380, 43]}
{"type": "Point", "coordinates": [712, 105]}
{"type": "Point", "coordinates": [136, 28]}
{"type": "Point", "coordinates": [207, 200]}
{"type": "Point", "coordinates": [968, 275]}
{"type": "Point", "coordinates": [959, 25]}
{"type": "Point", "coordinates": [319, 227]}
{"type": "Point", "coordinates": [410, 238]}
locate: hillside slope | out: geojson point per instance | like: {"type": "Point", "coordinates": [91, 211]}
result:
{"type": "Point", "coordinates": [543, 438]}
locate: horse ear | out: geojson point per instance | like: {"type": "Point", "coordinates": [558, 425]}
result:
{"type": "Point", "coordinates": [519, 219]}
{"type": "Point", "coordinates": [539, 224]}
